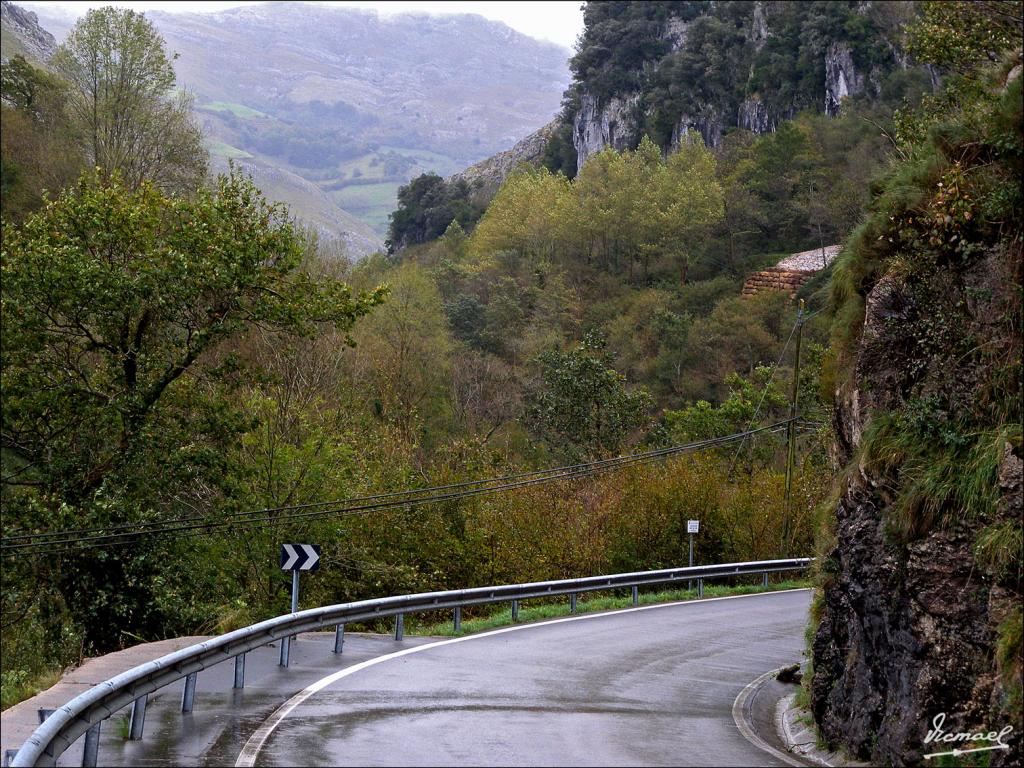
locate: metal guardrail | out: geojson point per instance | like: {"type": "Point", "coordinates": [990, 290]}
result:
{"type": "Point", "coordinates": [84, 713]}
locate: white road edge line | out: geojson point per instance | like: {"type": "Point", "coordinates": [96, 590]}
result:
{"type": "Point", "coordinates": [739, 716]}
{"type": "Point", "coordinates": [247, 757]}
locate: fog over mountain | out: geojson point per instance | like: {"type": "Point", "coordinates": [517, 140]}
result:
{"type": "Point", "coordinates": [332, 109]}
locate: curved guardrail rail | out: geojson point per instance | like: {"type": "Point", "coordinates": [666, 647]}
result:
{"type": "Point", "coordinates": [82, 714]}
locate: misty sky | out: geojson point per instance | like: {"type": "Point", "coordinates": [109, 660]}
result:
{"type": "Point", "coordinates": [558, 21]}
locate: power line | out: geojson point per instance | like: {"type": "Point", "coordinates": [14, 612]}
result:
{"type": "Point", "coordinates": [135, 527]}
{"type": "Point", "coordinates": [74, 540]}
{"type": "Point", "coordinates": [72, 543]}
{"type": "Point", "coordinates": [410, 497]}
{"type": "Point", "coordinates": [92, 542]}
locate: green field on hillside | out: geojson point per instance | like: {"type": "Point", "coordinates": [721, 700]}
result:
{"type": "Point", "coordinates": [223, 149]}
{"type": "Point", "coordinates": [370, 202]}
{"type": "Point", "coordinates": [238, 110]}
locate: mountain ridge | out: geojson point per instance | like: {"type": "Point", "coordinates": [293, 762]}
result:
{"type": "Point", "coordinates": [354, 102]}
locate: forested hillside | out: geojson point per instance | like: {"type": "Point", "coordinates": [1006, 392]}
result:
{"type": "Point", "coordinates": [332, 108]}
{"type": "Point", "coordinates": [666, 69]}
{"type": "Point", "coordinates": [190, 379]}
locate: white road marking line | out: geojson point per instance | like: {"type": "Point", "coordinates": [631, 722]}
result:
{"type": "Point", "coordinates": [247, 757]}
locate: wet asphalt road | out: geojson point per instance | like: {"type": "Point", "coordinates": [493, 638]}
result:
{"type": "Point", "coordinates": [648, 687]}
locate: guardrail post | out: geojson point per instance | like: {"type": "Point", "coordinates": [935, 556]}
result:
{"type": "Point", "coordinates": [91, 752]}
{"type": "Point", "coordinates": [458, 618]}
{"type": "Point", "coordinates": [700, 588]}
{"type": "Point", "coordinates": [515, 610]}
{"type": "Point", "coordinates": [138, 718]}
{"type": "Point", "coordinates": [285, 651]}
{"type": "Point", "coordinates": [399, 626]}
{"type": "Point", "coordinates": [339, 637]}
{"type": "Point", "coordinates": [9, 755]}
{"type": "Point", "coordinates": [764, 579]}
{"type": "Point", "coordinates": [636, 595]}
{"type": "Point", "coordinates": [43, 714]}
{"type": "Point", "coordinates": [188, 695]}
{"type": "Point", "coordinates": [572, 602]}
{"type": "Point", "coordinates": [239, 671]}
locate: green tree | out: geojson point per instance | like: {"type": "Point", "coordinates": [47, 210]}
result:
{"type": "Point", "coordinates": [111, 295]}
{"type": "Point", "coordinates": [29, 89]}
{"type": "Point", "coordinates": [118, 305]}
{"type": "Point", "coordinates": [122, 103]}
{"type": "Point", "coordinates": [401, 359]}
{"type": "Point", "coordinates": [529, 215]}
{"type": "Point", "coordinates": [582, 406]}
{"type": "Point", "coordinates": [427, 205]}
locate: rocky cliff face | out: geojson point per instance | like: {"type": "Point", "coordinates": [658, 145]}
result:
{"type": "Point", "coordinates": [25, 34]}
{"type": "Point", "coordinates": [916, 615]}
{"type": "Point", "coordinates": [842, 78]}
{"type": "Point", "coordinates": [907, 632]}
{"type": "Point", "coordinates": [755, 116]}
{"type": "Point", "coordinates": [750, 96]}
{"type": "Point", "coordinates": [485, 178]}
{"type": "Point", "coordinates": [612, 124]}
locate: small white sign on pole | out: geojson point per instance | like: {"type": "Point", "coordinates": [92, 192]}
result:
{"type": "Point", "coordinates": [692, 526]}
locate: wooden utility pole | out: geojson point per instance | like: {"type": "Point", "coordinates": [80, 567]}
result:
{"type": "Point", "coordinates": [794, 399]}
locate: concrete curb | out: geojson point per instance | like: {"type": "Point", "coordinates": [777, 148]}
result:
{"type": "Point", "coordinates": [801, 737]}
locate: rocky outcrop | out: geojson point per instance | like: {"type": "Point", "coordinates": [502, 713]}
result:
{"type": "Point", "coordinates": [485, 178]}
{"type": "Point", "coordinates": [759, 26]}
{"type": "Point", "coordinates": [617, 121]}
{"type": "Point", "coordinates": [675, 33]}
{"type": "Point", "coordinates": [909, 621]}
{"type": "Point", "coordinates": [754, 116]}
{"type": "Point", "coordinates": [709, 124]}
{"type": "Point", "coordinates": [24, 27]}
{"type": "Point", "coordinates": [612, 124]}
{"type": "Point", "coordinates": [841, 77]}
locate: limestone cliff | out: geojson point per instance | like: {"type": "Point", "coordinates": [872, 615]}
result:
{"type": "Point", "coordinates": [611, 124]}
{"type": "Point", "coordinates": [707, 68]}
{"type": "Point", "coordinates": [485, 178]}
{"type": "Point", "coordinates": [23, 35]}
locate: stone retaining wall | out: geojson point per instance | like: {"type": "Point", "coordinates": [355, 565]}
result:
{"type": "Point", "coordinates": [775, 279]}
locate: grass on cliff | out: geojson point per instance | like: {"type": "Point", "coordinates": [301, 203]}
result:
{"type": "Point", "coordinates": [939, 480]}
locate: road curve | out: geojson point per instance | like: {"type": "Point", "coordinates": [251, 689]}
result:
{"type": "Point", "coordinates": [648, 686]}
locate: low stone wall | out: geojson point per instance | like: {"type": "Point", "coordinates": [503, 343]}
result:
{"type": "Point", "coordinates": [775, 279]}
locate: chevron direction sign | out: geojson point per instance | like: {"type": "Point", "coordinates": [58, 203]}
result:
{"type": "Point", "coordinates": [300, 557]}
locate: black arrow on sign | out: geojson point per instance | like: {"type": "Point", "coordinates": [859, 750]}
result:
{"type": "Point", "coordinates": [300, 557]}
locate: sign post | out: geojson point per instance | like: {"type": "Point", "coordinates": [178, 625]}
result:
{"type": "Point", "coordinates": [692, 527]}
{"type": "Point", "coordinates": [295, 558]}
